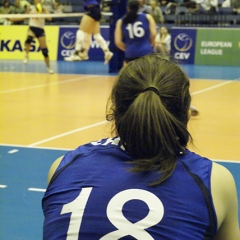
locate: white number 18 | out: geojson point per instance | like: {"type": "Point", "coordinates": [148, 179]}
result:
{"type": "Point", "coordinates": [115, 214]}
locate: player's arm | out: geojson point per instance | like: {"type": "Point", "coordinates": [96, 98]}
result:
{"type": "Point", "coordinates": [53, 168]}
{"type": "Point", "coordinates": [152, 28]}
{"type": "Point", "coordinates": [225, 202]}
{"type": "Point", "coordinates": [118, 36]}
{"type": "Point", "coordinates": [20, 19]}
{"type": "Point", "coordinates": [45, 11]}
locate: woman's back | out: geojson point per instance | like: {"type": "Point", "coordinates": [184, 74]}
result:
{"type": "Point", "coordinates": [111, 197]}
{"type": "Point", "coordinates": [137, 37]}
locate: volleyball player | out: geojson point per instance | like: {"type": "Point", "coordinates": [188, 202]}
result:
{"type": "Point", "coordinates": [36, 30]}
{"type": "Point", "coordinates": [135, 33]}
{"type": "Point", "coordinates": [90, 25]}
{"type": "Point", "coordinates": [144, 183]}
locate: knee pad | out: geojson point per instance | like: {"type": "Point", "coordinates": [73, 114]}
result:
{"type": "Point", "coordinates": [45, 52]}
{"type": "Point", "coordinates": [101, 41]}
{"type": "Point", "coordinates": [79, 40]}
{"type": "Point", "coordinates": [29, 40]}
{"type": "Point", "coordinates": [80, 36]}
{"type": "Point", "coordinates": [87, 42]}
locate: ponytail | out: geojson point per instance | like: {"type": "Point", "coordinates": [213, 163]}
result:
{"type": "Point", "coordinates": [152, 127]}
{"type": "Point", "coordinates": [131, 16]}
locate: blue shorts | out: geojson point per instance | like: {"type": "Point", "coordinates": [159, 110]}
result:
{"type": "Point", "coordinates": [94, 12]}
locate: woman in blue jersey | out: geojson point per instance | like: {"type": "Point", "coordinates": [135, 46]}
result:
{"type": "Point", "coordinates": [144, 183]}
{"type": "Point", "coordinates": [135, 33]}
{"type": "Point", "coordinates": [90, 25]}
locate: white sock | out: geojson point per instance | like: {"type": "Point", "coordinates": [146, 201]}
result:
{"type": "Point", "coordinates": [102, 43]}
{"type": "Point", "coordinates": [79, 40]}
{"type": "Point", "coordinates": [87, 42]}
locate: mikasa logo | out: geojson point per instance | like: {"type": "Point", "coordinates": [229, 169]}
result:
{"type": "Point", "coordinates": [12, 46]}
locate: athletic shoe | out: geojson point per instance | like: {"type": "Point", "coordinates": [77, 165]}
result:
{"type": "Point", "coordinates": [107, 57]}
{"type": "Point", "coordinates": [72, 58]}
{"type": "Point", "coordinates": [25, 61]}
{"type": "Point", "coordinates": [83, 56]}
{"type": "Point", "coordinates": [50, 71]}
{"type": "Point", "coordinates": [76, 57]}
{"type": "Point", "coordinates": [194, 111]}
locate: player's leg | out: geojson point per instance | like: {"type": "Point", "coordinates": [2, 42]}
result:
{"type": "Point", "coordinates": [90, 24]}
{"type": "Point", "coordinates": [102, 43]}
{"type": "Point", "coordinates": [29, 40]}
{"type": "Point", "coordinates": [44, 48]}
{"type": "Point", "coordinates": [83, 39]}
{"type": "Point", "coordinates": [87, 26]}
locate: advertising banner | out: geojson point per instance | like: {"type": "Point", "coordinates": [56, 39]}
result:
{"type": "Point", "coordinates": [67, 38]}
{"type": "Point", "coordinates": [218, 47]}
{"type": "Point", "coordinates": [12, 43]}
{"type": "Point", "coordinates": [183, 44]}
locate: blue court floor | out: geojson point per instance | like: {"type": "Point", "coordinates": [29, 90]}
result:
{"type": "Point", "coordinates": [98, 68]}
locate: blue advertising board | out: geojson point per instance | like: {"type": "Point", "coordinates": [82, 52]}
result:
{"type": "Point", "coordinates": [183, 44]}
{"type": "Point", "coordinates": [67, 38]}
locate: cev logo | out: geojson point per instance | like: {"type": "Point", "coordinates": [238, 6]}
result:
{"type": "Point", "coordinates": [68, 40]}
{"type": "Point", "coordinates": [183, 42]}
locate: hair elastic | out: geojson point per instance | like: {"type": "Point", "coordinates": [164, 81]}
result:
{"type": "Point", "coordinates": [151, 89]}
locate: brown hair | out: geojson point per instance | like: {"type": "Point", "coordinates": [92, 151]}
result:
{"type": "Point", "coordinates": [152, 127]}
{"type": "Point", "coordinates": [131, 16]}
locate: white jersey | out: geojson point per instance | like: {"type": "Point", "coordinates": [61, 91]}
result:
{"type": "Point", "coordinates": [36, 22]}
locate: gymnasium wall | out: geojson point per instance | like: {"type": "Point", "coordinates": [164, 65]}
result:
{"type": "Point", "coordinates": [60, 41]}
{"type": "Point", "coordinates": [202, 46]}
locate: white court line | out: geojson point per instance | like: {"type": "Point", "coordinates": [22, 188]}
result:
{"type": "Point", "coordinates": [39, 147]}
{"type": "Point", "coordinates": [49, 84]}
{"type": "Point", "coordinates": [67, 133]}
{"type": "Point", "coordinates": [13, 151]}
{"type": "Point", "coordinates": [3, 186]}
{"type": "Point", "coordinates": [211, 88]}
{"type": "Point", "coordinates": [100, 123]}
{"type": "Point", "coordinates": [37, 189]}
{"type": "Point", "coordinates": [226, 161]}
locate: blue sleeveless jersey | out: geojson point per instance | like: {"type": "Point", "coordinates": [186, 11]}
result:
{"type": "Point", "coordinates": [93, 195]}
{"type": "Point", "coordinates": [136, 36]}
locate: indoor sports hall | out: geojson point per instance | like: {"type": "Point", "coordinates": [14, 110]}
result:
{"type": "Point", "coordinates": [43, 116]}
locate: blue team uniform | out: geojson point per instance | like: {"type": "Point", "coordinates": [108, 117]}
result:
{"type": "Point", "coordinates": [93, 196]}
{"type": "Point", "coordinates": [92, 8]}
{"type": "Point", "coordinates": [91, 2]}
{"type": "Point", "coordinates": [136, 36]}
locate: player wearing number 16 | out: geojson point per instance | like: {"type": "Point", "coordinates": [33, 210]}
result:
{"type": "Point", "coordinates": [135, 33]}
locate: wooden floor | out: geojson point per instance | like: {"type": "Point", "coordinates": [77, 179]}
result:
{"type": "Point", "coordinates": [66, 110]}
